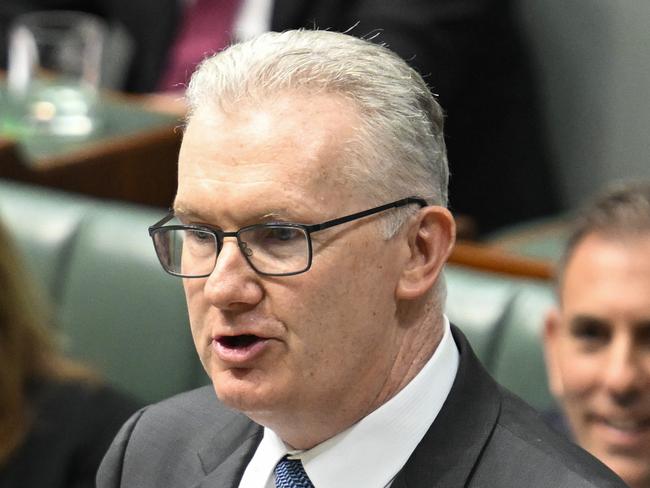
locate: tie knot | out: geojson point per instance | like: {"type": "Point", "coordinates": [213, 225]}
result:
{"type": "Point", "coordinates": [289, 473]}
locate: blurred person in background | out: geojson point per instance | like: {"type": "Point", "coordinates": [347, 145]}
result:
{"type": "Point", "coordinates": [56, 417]}
{"type": "Point", "coordinates": [598, 342]}
{"type": "Point", "coordinates": [469, 52]}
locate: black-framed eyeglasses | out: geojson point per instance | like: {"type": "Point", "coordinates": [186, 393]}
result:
{"type": "Point", "coordinates": [271, 249]}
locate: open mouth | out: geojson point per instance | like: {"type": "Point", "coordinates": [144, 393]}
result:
{"type": "Point", "coordinates": [239, 341]}
{"type": "Point", "coordinates": [239, 349]}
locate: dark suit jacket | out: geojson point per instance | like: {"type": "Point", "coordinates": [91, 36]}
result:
{"type": "Point", "coordinates": [73, 425]}
{"type": "Point", "coordinates": [469, 52]}
{"type": "Point", "coordinates": [482, 437]}
{"type": "Point", "coordinates": [555, 419]}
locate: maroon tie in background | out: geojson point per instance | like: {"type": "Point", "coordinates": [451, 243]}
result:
{"type": "Point", "coordinates": [206, 28]}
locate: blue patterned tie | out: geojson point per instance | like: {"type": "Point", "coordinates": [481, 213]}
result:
{"type": "Point", "coordinates": [289, 473]}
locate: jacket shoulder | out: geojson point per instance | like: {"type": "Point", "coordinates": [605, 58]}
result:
{"type": "Point", "coordinates": [161, 444]}
{"type": "Point", "coordinates": [524, 451]}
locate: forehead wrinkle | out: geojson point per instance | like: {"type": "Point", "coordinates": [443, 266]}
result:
{"type": "Point", "coordinates": [239, 162]}
{"type": "Point", "coordinates": [294, 185]}
{"type": "Point", "coordinates": [257, 127]}
{"type": "Point", "coordinates": [292, 208]}
{"type": "Point", "coordinates": [270, 128]}
{"type": "Point", "coordinates": [260, 171]}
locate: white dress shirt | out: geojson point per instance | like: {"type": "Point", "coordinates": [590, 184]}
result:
{"type": "Point", "coordinates": [371, 452]}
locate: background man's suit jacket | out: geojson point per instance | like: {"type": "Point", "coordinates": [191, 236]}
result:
{"type": "Point", "coordinates": [482, 437]}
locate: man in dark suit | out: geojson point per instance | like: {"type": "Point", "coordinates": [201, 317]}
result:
{"type": "Point", "coordinates": [310, 229]}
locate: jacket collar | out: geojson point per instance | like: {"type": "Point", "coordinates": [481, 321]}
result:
{"type": "Point", "coordinates": [445, 457]}
{"type": "Point", "coordinates": [228, 450]}
{"type": "Point", "coordinates": [451, 447]}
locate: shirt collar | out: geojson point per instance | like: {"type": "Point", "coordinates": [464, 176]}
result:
{"type": "Point", "coordinates": [372, 451]}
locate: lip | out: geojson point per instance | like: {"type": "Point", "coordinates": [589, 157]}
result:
{"type": "Point", "coordinates": [622, 432]}
{"type": "Point", "coordinates": [234, 350]}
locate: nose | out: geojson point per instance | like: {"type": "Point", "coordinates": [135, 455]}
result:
{"type": "Point", "coordinates": [623, 375]}
{"type": "Point", "coordinates": [233, 285]}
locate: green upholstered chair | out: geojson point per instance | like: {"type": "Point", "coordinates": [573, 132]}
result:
{"type": "Point", "coordinates": [127, 317]}
{"type": "Point", "coordinates": [116, 308]}
{"type": "Point", "coordinates": [45, 225]}
{"type": "Point", "coordinates": [503, 317]}
{"type": "Point", "coordinates": [477, 303]}
{"type": "Point", "coordinates": [518, 362]}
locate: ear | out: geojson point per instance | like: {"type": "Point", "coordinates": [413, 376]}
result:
{"type": "Point", "coordinates": [552, 323]}
{"type": "Point", "coordinates": [431, 237]}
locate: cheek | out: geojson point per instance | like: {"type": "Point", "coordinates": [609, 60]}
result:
{"type": "Point", "coordinates": [335, 320]}
{"type": "Point", "coordinates": [197, 307]}
{"type": "Point", "coordinates": [343, 300]}
{"type": "Point", "coordinates": [194, 297]}
{"type": "Point", "coordinates": [580, 373]}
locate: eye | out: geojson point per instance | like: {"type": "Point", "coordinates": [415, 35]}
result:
{"type": "Point", "coordinates": [642, 335]}
{"type": "Point", "coordinates": [282, 234]}
{"type": "Point", "coordinates": [590, 332]}
{"type": "Point", "coordinates": [199, 236]}
{"type": "Point", "coordinates": [275, 240]}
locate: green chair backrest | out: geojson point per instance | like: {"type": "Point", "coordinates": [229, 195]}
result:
{"type": "Point", "coordinates": [518, 362]}
{"type": "Point", "coordinates": [503, 318]}
{"type": "Point", "coordinates": [116, 308]}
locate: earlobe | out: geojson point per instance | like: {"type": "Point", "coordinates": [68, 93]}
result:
{"type": "Point", "coordinates": [550, 338]}
{"type": "Point", "coordinates": [430, 239]}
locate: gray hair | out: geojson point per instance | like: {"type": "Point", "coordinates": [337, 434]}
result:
{"type": "Point", "coordinates": [399, 149]}
{"type": "Point", "coordinates": [621, 211]}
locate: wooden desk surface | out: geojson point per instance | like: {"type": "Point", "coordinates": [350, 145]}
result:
{"type": "Point", "coordinates": [132, 157]}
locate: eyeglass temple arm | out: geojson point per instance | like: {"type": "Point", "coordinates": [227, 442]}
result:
{"type": "Point", "coordinates": [163, 221]}
{"type": "Point", "coordinates": [330, 223]}
{"type": "Point", "coordinates": [341, 220]}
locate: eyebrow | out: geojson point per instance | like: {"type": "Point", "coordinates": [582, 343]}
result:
{"type": "Point", "coordinates": [642, 325]}
{"type": "Point", "coordinates": [582, 320]}
{"type": "Point", "coordinates": [180, 210]}
{"type": "Point", "coordinates": [277, 215]}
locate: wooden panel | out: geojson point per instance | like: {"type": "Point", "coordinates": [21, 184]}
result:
{"type": "Point", "coordinates": [487, 258]}
{"type": "Point", "coordinates": [10, 162]}
{"type": "Point", "coordinates": [138, 169]}
{"type": "Point", "coordinates": [133, 159]}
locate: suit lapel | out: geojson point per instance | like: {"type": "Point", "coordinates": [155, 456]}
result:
{"type": "Point", "coordinates": [450, 449]}
{"type": "Point", "coordinates": [227, 452]}
{"type": "Point", "coordinates": [444, 458]}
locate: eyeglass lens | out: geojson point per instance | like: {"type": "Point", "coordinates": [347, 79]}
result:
{"type": "Point", "coordinates": [269, 248]}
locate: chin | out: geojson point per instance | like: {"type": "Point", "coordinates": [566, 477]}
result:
{"type": "Point", "coordinates": [244, 390]}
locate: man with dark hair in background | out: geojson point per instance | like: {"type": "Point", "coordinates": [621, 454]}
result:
{"type": "Point", "coordinates": [598, 342]}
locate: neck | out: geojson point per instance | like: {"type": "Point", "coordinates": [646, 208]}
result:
{"type": "Point", "coordinates": [306, 429]}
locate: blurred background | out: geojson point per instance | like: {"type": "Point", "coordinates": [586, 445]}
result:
{"type": "Point", "coordinates": [546, 100]}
